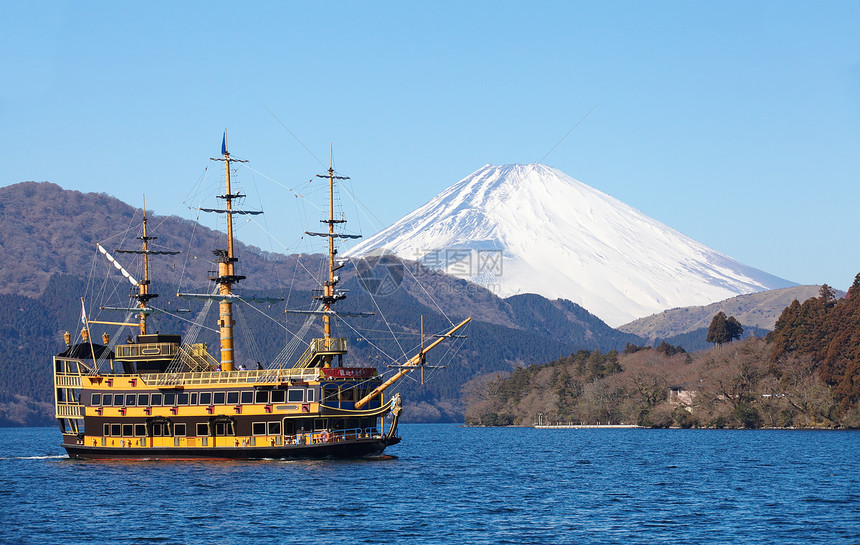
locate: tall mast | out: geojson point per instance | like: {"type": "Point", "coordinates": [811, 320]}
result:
{"type": "Point", "coordinates": [143, 295]}
{"type": "Point", "coordinates": [329, 286]}
{"type": "Point", "coordinates": [226, 269]}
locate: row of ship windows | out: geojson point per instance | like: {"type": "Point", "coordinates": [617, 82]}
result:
{"type": "Point", "coordinates": [179, 430]}
{"type": "Point", "coordinates": [265, 397]}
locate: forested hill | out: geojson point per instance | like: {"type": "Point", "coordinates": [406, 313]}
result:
{"type": "Point", "coordinates": [47, 246]}
{"type": "Point", "coordinates": [806, 373]}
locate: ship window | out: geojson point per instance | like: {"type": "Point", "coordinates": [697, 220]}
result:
{"type": "Point", "coordinates": [182, 399]}
{"type": "Point", "coordinates": [337, 423]}
{"type": "Point", "coordinates": [262, 396]}
{"type": "Point", "coordinates": [360, 392]}
{"type": "Point", "coordinates": [193, 399]}
{"type": "Point", "coordinates": [107, 400]}
{"type": "Point", "coordinates": [223, 428]}
{"type": "Point", "coordinates": [218, 398]}
{"type": "Point", "coordinates": [140, 430]}
{"type": "Point", "coordinates": [232, 398]}
{"type": "Point", "coordinates": [96, 400]}
{"type": "Point", "coordinates": [320, 423]}
{"type": "Point", "coordinates": [130, 399]}
{"type": "Point", "coordinates": [202, 429]}
{"type": "Point", "coordinates": [330, 392]}
{"type": "Point", "coordinates": [274, 428]}
{"type": "Point", "coordinates": [295, 395]}
{"type": "Point", "coordinates": [258, 428]}
{"type": "Point", "coordinates": [279, 396]}
{"type": "Point", "coordinates": [106, 430]}
{"type": "Point", "coordinates": [346, 394]}
{"type": "Point", "coordinates": [205, 398]}
{"type": "Point", "coordinates": [116, 430]}
{"type": "Point", "coordinates": [127, 430]}
{"type": "Point", "coordinates": [311, 395]}
{"type": "Point", "coordinates": [247, 397]}
{"type": "Point", "coordinates": [143, 400]}
{"type": "Point", "coordinates": [289, 427]}
{"type": "Point", "coordinates": [169, 399]}
{"type": "Point", "coordinates": [161, 429]}
{"type": "Point", "coordinates": [179, 430]}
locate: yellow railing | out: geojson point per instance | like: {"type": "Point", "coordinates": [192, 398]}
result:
{"type": "Point", "coordinates": [229, 377]}
{"type": "Point", "coordinates": [70, 410]}
{"type": "Point", "coordinates": [146, 350]}
{"type": "Point", "coordinates": [321, 346]}
{"type": "Point", "coordinates": [68, 381]}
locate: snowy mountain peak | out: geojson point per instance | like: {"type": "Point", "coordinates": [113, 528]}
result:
{"type": "Point", "coordinates": [533, 229]}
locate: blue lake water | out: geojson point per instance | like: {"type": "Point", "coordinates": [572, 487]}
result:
{"type": "Point", "coordinates": [450, 484]}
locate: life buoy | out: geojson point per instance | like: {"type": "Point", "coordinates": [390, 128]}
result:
{"type": "Point", "coordinates": [326, 436]}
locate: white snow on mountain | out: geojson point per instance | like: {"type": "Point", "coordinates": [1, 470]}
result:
{"type": "Point", "coordinates": [533, 229]}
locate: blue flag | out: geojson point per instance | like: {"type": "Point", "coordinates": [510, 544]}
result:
{"type": "Point", "coordinates": [224, 144]}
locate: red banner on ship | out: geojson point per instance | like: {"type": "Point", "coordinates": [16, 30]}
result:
{"type": "Point", "coordinates": [348, 372]}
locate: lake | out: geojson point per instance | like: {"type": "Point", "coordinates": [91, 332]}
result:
{"type": "Point", "coordinates": [450, 484]}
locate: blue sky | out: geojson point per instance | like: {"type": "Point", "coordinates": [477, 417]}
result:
{"type": "Point", "coordinates": [736, 123]}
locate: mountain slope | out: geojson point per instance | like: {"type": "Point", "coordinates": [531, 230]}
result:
{"type": "Point", "coordinates": [563, 239]}
{"type": "Point", "coordinates": [755, 309]}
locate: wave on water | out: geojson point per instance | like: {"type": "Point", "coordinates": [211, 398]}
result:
{"type": "Point", "coordinates": [49, 457]}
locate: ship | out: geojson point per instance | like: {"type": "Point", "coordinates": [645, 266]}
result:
{"type": "Point", "coordinates": [162, 396]}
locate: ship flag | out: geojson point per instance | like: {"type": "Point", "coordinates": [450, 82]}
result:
{"type": "Point", "coordinates": [224, 144]}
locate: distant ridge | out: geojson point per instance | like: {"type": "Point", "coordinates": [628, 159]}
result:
{"type": "Point", "coordinates": [563, 239]}
{"type": "Point", "coordinates": [760, 309]}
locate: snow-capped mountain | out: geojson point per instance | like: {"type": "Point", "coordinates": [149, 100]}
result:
{"type": "Point", "coordinates": [533, 229]}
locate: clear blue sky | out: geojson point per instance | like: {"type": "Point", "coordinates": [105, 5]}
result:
{"type": "Point", "coordinates": [737, 123]}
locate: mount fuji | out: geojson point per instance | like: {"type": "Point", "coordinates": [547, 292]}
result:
{"type": "Point", "coordinates": [533, 229]}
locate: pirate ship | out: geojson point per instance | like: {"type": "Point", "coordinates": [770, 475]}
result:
{"type": "Point", "coordinates": [157, 396]}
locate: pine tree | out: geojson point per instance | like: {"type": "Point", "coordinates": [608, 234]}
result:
{"type": "Point", "coordinates": [718, 332]}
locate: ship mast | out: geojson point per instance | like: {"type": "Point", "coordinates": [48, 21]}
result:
{"type": "Point", "coordinates": [143, 295]}
{"type": "Point", "coordinates": [226, 266]}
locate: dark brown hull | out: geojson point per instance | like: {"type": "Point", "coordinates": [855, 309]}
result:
{"type": "Point", "coordinates": [346, 449]}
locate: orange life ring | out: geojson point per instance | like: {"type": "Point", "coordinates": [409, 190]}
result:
{"type": "Point", "coordinates": [326, 436]}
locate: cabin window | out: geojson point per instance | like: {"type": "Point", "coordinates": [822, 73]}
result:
{"type": "Point", "coordinates": [295, 395]}
{"type": "Point", "coordinates": [202, 429]}
{"type": "Point", "coordinates": [130, 399]}
{"type": "Point", "coordinates": [179, 430]}
{"type": "Point", "coordinates": [360, 392]}
{"type": "Point", "coordinates": [143, 400]}
{"type": "Point", "coordinates": [107, 400]}
{"type": "Point", "coordinates": [274, 428]}
{"type": "Point", "coordinates": [169, 399]}
{"type": "Point", "coordinates": [330, 392]}
{"type": "Point", "coordinates": [106, 430]}
{"type": "Point", "coordinates": [160, 429]}
{"type": "Point", "coordinates": [262, 396]}
{"type": "Point", "coordinates": [320, 423]}
{"type": "Point", "coordinates": [127, 430]}
{"type": "Point", "coordinates": [232, 398]}
{"type": "Point", "coordinates": [224, 428]}
{"type": "Point", "coordinates": [193, 399]}
{"type": "Point", "coordinates": [140, 430]}
{"type": "Point", "coordinates": [346, 394]}
{"type": "Point", "coordinates": [116, 430]}
{"type": "Point", "coordinates": [247, 397]}
{"type": "Point", "coordinates": [155, 400]}
{"type": "Point", "coordinates": [205, 398]}
{"type": "Point", "coordinates": [311, 395]}
{"type": "Point", "coordinates": [96, 399]}
{"type": "Point", "coordinates": [289, 427]}
{"type": "Point", "coordinates": [218, 398]}
{"type": "Point", "coordinates": [182, 399]}
{"type": "Point", "coordinates": [337, 423]}
{"type": "Point", "coordinates": [258, 428]}
{"type": "Point", "coordinates": [279, 396]}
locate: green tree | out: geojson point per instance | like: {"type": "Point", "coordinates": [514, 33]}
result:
{"type": "Point", "coordinates": [734, 327]}
{"type": "Point", "coordinates": [718, 332]}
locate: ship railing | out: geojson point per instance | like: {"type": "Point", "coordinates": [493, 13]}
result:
{"type": "Point", "coordinates": [67, 381]}
{"type": "Point", "coordinates": [69, 410]}
{"type": "Point", "coordinates": [229, 377]}
{"type": "Point", "coordinates": [320, 346]}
